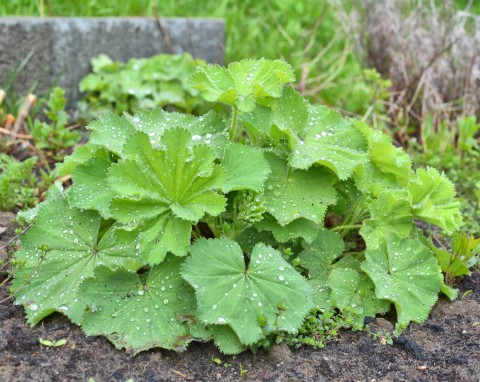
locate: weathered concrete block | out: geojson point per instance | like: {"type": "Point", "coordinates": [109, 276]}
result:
{"type": "Point", "coordinates": [63, 47]}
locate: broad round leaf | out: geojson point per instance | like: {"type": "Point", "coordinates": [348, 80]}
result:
{"type": "Point", "coordinates": [138, 315]}
{"type": "Point", "coordinates": [164, 190]}
{"type": "Point", "coordinates": [406, 273]}
{"type": "Point", "coordinates": [299, 194]}
{"type": "Point", "coordinates": [331, 141]}
{"type": "Point", "coordinates": [229, 293]}
{"type": "Point", "coordinates": [61, 249]}
{"type": "Point", "coordinates": [350, 289]}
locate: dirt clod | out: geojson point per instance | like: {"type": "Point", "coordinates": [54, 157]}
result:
{"type": "Point", "coordinates": [280, 354]}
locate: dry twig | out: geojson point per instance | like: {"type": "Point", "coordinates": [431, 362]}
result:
{"type": "Point", "coordinates": [163, 31]}
{"type": "Point", "coordinates": [30, 100]}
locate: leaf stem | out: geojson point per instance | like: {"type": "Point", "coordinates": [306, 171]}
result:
{"type": "Point", "coordinates": [355, 214]}
{"type": "Point", "coordinates": [233, 126]}
{"type": "Point", "coordinates": [346, 227]}
{"type": "Point", "coordinates": [196, 231]}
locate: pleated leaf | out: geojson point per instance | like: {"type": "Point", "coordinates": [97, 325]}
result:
{"type": "Point", "coordinates": [243, 83]}
{"type": "Point", "coordinates": [433, 199]}
{"type": "Point", "coordinates": [61, 249]}
{"type": "Point", "coordinates": [137, 313]}
{"type": "Point", "coordinates": [165, 190]}
{"type": "Point", "coordinates": [405, 272]}
{"type": "Point", "coordinates": [230, 293]}
{"type": "Point", "coordinates": [293, 194]}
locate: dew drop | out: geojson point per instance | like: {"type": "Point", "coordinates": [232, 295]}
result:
{"type": "Point", "coordinates": [33, 306]}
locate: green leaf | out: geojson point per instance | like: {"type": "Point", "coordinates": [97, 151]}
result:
{"type": "Point", "coordinates": [451, 293]}
{"type": "Point", "coordinates": [329, 140]}
{"type": "Point", "coordinates": [138, 315]}
{"type": "Point", "coordinates": [90, 190]}
{"type": "Point", "coordinates": [392, 160]}
{"type": "Point", "coordinates": [390, 213]}
{"type": "Point", "coordinates": [370, 180]}
{"type": "Point", "coordinates": [249, 237]}
{"type": "Point", "coordinates": [248, 207]}
{"type": "Point", "coordinates": [110, 132]}
{"type": "Point", "coordinates": [303, 228]}
{"type": "Point", "coordinates": [257, 123]}
{"type": "Point", "coordinates": [300, 194]}
{"type": "Point", "coordinates": [450, 264]}
{"type": "Point", "coordinates": [162, 234]}
{"type": "Point", "coordinates": [98, 63]}
{"type": "Point", "coordinates": [215, 83]}
{"type": "Point", "coordinates": [433, 199]}
{"type": "Point", "coordinates": [350, 289]}
{"type": "Point", "coordinates": [228, 293]}
{"type": "Point", "coordinates": [405, 272]}
{"type": "Point", "coordinates": [385, 159]}
{"type": "Point", "coordinates": [207, 129]}
{"type": "Point", "coordinates": [223, 336]}
{"type": "Point", "coordinates": [80, 156]}
{"type": "Point", "coordinates": [290, 112]}
{"type": "Point", "coordinates": [60, 250]}
{"type": "Point", "coordinates": [246, 168]}
{"type": "Point", "coordinates": [210, 129]}
{"type": "Point", "coordinates": [466, 247]}
{"type": "Point", "coordinates": [243, 83]}
{"type": "Point", "coordinates": [174, 184]}
{"type": "Point", "coordinates": [318, 256]}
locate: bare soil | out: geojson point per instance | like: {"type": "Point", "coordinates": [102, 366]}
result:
{"type": "Point", "coordinates": [445, 348]}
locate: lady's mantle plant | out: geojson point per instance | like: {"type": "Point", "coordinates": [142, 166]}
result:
{"type": "Point", "coordinates": [181, 228]}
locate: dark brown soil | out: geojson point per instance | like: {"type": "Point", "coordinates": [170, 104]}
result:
{"type": "Point", "coordinates": [445, 348]}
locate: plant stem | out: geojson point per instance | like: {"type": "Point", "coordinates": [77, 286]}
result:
{"type": "Point", "coordinates": [346, 227]}
{"type": "Point", "coordinates": [289, 173]}
{"type": "Point", "coordinates": [196, 231]}
{"type": "Point", "coordinates": [358, 209]}
{"type": "Point", "coordinates": [212, 224]}
{"type": "Point", "coordinates": [233, 126]}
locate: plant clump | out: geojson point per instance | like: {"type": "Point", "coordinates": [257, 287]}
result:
{"type": "Point", "coordinates": [240, 230]}
{"type": "Point", "coordinates": [160, 81]}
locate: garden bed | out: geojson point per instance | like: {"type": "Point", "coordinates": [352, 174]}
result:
{"type": "Point", "coordinates": [444, 348]}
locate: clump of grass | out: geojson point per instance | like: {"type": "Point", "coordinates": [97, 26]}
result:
{"type": "Point", "coordinates": [431, 53]}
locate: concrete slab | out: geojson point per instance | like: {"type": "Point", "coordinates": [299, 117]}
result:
{"type": "Point", "coordinates": [63, 47]}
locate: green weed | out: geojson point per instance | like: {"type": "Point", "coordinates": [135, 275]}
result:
{"type": "Point", "coordinates": [17, 183]}
{"type": "Point", "coordinates": [160, 81]}
{"type": "Point", "coordinates": [54, 135]}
